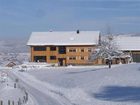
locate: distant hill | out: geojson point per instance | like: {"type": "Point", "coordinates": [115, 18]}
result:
{"type": "Point", "coordinates": [13, 46]}
{"type": "Point", "coordinates": [13, 50]}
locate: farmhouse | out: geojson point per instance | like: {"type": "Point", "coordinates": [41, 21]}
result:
{"type": "Point", "coordinates": [129, 44]}
{"type": "Point", "coordinates": [64, 47]}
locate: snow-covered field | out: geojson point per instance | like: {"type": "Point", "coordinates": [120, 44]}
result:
{"type": "Point", "coordinates": [13, 50]}
{"type": "Point", "coordinates": [15, 93]}
{"type": "Point", "coordinates": [84, 86]}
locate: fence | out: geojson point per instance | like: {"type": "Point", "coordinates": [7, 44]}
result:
{"type": "Point", "coordinates": [21, 101]}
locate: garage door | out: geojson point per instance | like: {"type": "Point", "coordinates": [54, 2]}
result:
{"type": "Point", "coordinates": [136, 57]}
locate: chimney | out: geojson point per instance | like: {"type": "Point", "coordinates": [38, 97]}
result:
{"type": "Point", "coordinates": [78, 31]}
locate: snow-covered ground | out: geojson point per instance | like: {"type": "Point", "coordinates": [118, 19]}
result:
{"type": "Point", "coordinates": [83, 86]}
{"type": "Point", "coordinates": [12, 92]}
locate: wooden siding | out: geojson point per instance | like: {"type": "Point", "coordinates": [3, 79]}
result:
{"type": "Point", "coordinates": [78, 54]}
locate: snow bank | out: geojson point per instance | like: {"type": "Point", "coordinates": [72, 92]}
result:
{"type": "Point", "coordinates": [33, 65]}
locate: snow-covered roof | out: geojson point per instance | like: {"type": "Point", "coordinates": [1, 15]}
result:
{"type": "Point", "coordinates": [128, 43]}
{"type": "Point", "coordinates": [64, 38]}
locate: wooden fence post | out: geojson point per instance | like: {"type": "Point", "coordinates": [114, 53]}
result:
{"type": "Point", "coordinates": [13, 103]}
{"type": "Point", "coordinates": [8, 102]}
{"type": "Point", "coordinates": [1, 102]}
{"type": "Point", "coordinates": [23, 100]}
{"type": "Point", "coordinates": [15, 85]}
{"type": "Point", "coordinates": [19, 101]}
{"type": "Point", "coordinates": [26, 96]}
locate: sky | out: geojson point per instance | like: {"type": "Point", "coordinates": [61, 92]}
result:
{"type": "Point", "coordinates": [18, 18]}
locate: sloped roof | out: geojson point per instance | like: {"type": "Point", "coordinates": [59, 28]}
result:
{"type": "Point", "coordinates": [64, 38]}
{"type": "Point", "coordinates": [128, 43]}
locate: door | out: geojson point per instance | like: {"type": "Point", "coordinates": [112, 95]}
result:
{"type": "Point", "coordinates": [62, 61]}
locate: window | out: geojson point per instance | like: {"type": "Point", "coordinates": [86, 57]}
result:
{"type": "Point", "coordinates": [62, 50]}
{"type": "Point", "coordinates": [52, 57]}
{"type": "Point", "coordinates": [82, 50]}
{"type": "Point", "coordinates": [82, 58]}
{"type": "Point", "coordinates": [40, 48]}
{"type": "Point", "coordinates": [52, 48]}
{"type": "Point", "coordinates": [89, 49]}
{"type": "Point", "coordinates": [72, 50]}
{"type": "Point", "coordinates": [40, 58]}
{"type": "Point", "coordinates": [72, 58]}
